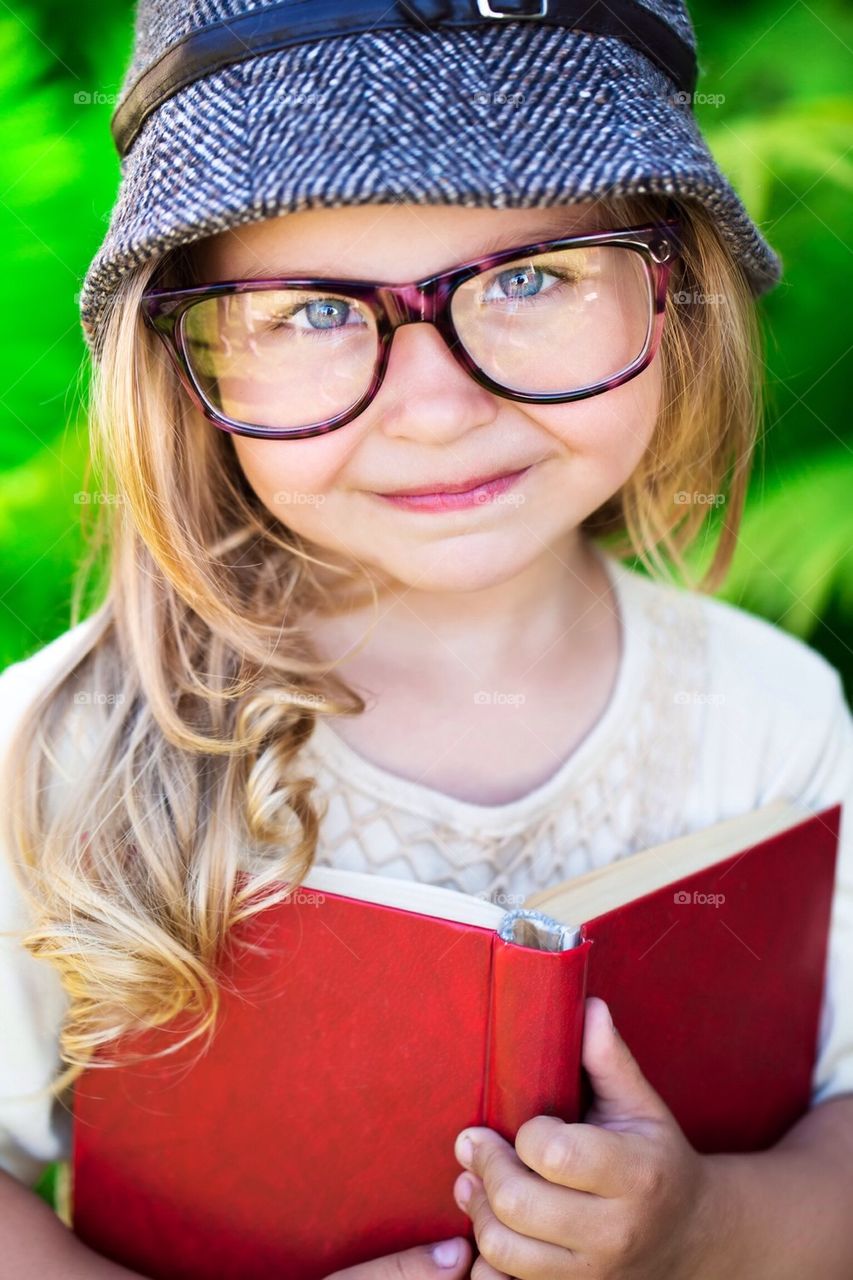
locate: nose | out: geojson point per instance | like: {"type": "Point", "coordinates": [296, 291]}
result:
{"type": "Point", "coordinates": [425, 392]}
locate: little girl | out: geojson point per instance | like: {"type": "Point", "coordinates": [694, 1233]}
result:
{"type": "Point", "coordinates": [366, 599]}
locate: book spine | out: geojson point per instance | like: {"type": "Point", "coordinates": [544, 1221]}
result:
{"type": "Point", "coordinates": [535, 929]}
{"type": "Point", "coordinates": [534, 1035]}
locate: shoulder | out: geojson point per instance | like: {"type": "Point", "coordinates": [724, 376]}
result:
{"type": "Point", "coordinates": [21, 682]}
{"type": "Point", "coordinates": [743, 646]}
{"type": "Point", "coordinates": [770, 704]}
{"type": "Point", "coordinates": [770, 666]}
{"type": "Point", "coordinates": [34, 1130]}
{"type": "Point", "coordinates": [21, 685]}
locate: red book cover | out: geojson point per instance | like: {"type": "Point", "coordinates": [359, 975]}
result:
{"type": "Point", "coordinates": [356, 1039]}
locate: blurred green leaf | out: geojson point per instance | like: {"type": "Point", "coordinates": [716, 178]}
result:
{"type": "Point", "coordinates": [779, 128]}
{"type": "Point", "coordinates": [58, 178]}
{"type": "Point", "coordinates": [795, 551]}
{"type": "Point", "coordinates": [46, 1185]}
{"type": "Point", "coordinates": [795, 146]}
{"type": "Point", "coordinates": [40, 542]}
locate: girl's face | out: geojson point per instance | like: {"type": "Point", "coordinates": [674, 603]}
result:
{"type": "Point", "coordinates": [430, 423]}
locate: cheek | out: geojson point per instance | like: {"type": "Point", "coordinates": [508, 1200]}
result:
{"type": "Point", "coordinates": [289, 473]}
{"type": "Point", "coordinates": [609, 432]}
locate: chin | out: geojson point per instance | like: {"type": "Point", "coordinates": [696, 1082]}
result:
{"type": "Point", "coordinates": [469, 563]}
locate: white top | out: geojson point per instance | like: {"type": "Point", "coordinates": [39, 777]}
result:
{"type": "Point", "coordinates": [714, 713]}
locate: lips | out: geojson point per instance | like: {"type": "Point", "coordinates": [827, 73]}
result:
{"type": "Point", "coordinates": [479, 495]}
{"type": "Point", "coordinates": [463, 487]}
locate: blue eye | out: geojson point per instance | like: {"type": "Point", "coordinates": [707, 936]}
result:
{"type": "Point", "coordinates": [521, 282]}
{"type": "Point", "coordinates": [325, 313]}
{"type": "Point", "coordinates": [319, 315]}
{"type": "Point", "coordinates": [524, 282]}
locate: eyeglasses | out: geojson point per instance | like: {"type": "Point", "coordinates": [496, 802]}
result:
{"type": "Point", "coordinates": [287, 358]}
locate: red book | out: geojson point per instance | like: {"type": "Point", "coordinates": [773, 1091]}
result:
{"type": "Point", "coordinates": [376, 1017]}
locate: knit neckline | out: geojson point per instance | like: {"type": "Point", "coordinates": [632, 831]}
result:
{"type": "Point", "coordinates": [431, 803]}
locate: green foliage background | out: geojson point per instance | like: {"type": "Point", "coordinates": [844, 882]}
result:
{"type": "Point", "coordinates": [781, 134]}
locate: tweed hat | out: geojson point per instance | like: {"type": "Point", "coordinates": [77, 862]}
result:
{"type": "Point", "coordinates": [233, 111]}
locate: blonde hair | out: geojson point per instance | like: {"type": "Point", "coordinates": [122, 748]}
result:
{"type": "Point", "coordinates": [198, 696]}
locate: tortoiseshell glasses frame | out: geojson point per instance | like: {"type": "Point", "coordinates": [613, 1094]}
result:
{"type": "Point", "coordinates": [428, 300]}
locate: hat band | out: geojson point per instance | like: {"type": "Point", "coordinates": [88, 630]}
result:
{"type": "Point", "coordinates": [279, 26]}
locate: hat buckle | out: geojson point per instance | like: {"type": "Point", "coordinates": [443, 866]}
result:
{"type": "Point", "coordinates": [487, 11]}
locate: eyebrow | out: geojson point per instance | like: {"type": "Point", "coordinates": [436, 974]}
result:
{"type": "Point", "coordinates": [553, 226]}
{"type": "Point", "coordinates": [558, 226]}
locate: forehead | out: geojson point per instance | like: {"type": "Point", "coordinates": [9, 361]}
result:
{"type": "Point", "coordinates": [401, 241]}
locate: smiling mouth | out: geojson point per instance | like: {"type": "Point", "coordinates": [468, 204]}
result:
{"type": "Point", "coordinates": [465, 486]}
{"type": "Point", "coordinates": [456, 497]}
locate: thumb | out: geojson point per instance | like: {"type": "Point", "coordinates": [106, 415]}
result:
{"type": "Point", "coordinates": [449, 1259]}
{"type": "Point", "coordinates": [622, 1092]}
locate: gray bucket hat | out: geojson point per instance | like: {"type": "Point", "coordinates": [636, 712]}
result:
{"type": "Point", "coordinates": [236, 110]}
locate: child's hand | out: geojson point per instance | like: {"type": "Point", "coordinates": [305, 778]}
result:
{"type": "Point", "coordinates": [623, 1194]}
{"type": "Point", "coordinates": [424, 1262]}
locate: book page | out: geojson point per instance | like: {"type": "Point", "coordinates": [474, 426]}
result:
{"type": "Point", "coordinates": [587, 896]}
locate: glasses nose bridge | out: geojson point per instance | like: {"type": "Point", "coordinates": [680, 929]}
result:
{"type": "Point", "coordinates": [412, 303]}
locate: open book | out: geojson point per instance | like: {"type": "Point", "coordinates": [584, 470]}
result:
{"type": "Point", "coordinates": [368, 1019]}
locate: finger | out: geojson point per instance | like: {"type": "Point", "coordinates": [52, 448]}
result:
{"type": "Point", "coordinates": [622, 1092]}
{"type": "Point", "coordinates": [483, 1270]}
{"type": "Point", "coordinates": [527, 1203]}
{"type": "Point", "coordinates": [585, 1157]}
{"type": "Point", "coordinates": [507, 1252]}
{"type": "Point", "coordinates": [419, 1263]}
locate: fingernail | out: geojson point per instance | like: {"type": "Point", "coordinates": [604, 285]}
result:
{"type": "Point", "coordinates": [447, 1254]}
{"type": "Point", "coordinates": [465, 1150]}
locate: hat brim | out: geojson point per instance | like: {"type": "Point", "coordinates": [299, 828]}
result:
{"type": "Point", "coordinates": [507, 117]}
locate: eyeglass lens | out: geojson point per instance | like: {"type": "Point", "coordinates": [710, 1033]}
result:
{"type": "Point", "coordinates": [551, 323]}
